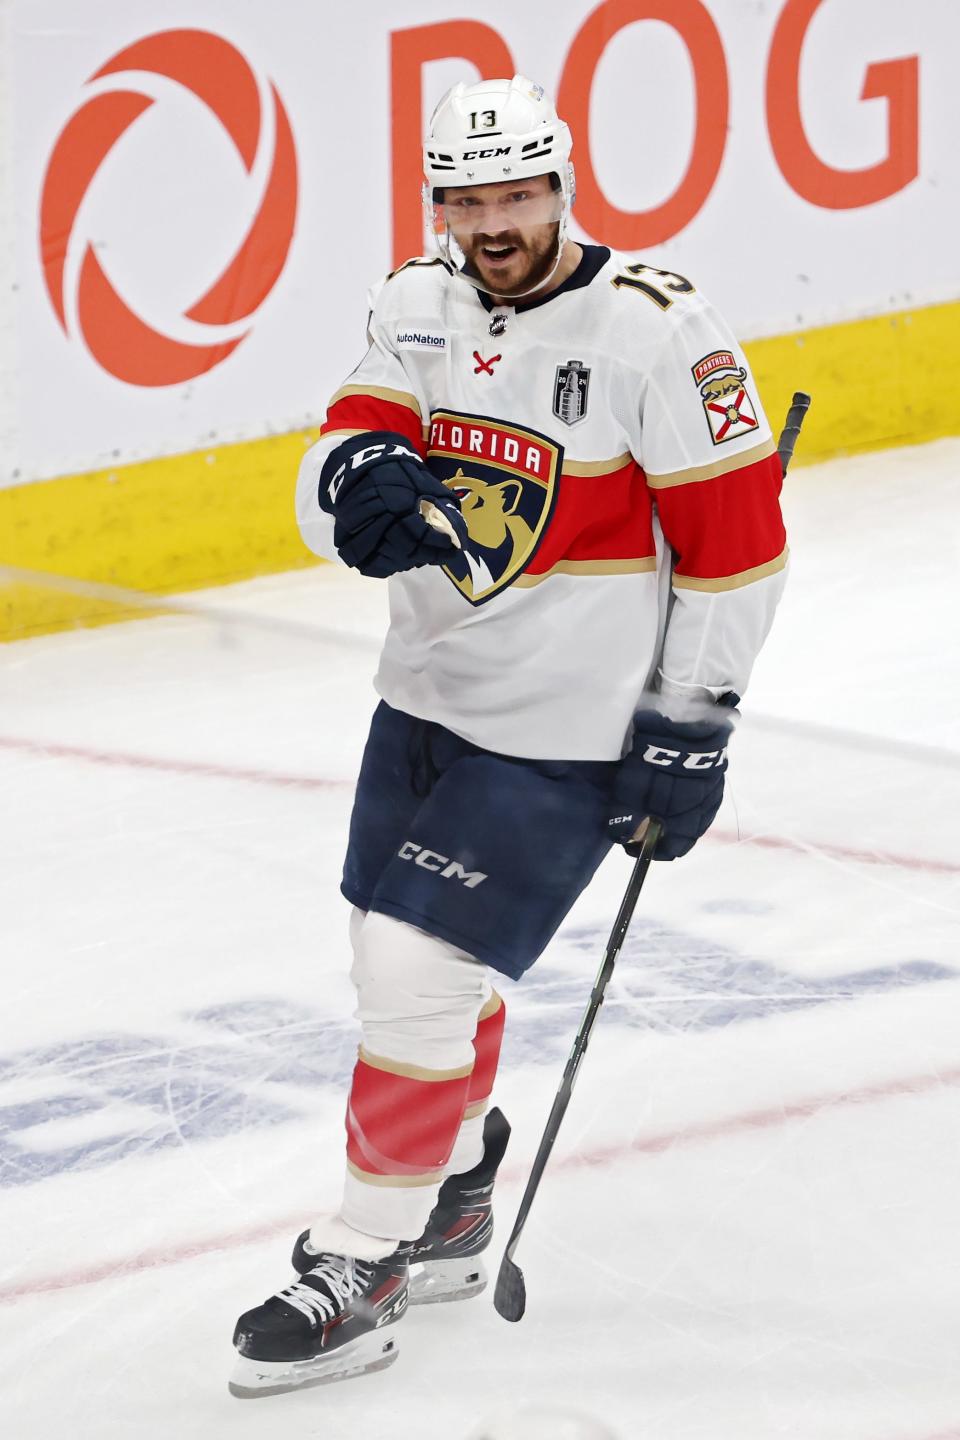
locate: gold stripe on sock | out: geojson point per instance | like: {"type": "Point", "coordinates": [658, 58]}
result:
{"type": "Point", "coordinates": [412, 1072]}
{"type": "Point", "coordinates": [491, 1007]}
{"type": "Point", "coordinates": [432, 1177]}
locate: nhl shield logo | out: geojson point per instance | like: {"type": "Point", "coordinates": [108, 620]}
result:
{"type": "Point", "coordinates": [506, 479]}
{"type": "Point", "coordinates": [570, 391]}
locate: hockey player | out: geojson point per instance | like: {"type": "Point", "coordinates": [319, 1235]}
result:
{"type": "Point", "coordinates": [557, 456]}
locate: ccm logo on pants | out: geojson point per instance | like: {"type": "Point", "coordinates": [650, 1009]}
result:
{"type": "Point", "coordinates": [441, 864]}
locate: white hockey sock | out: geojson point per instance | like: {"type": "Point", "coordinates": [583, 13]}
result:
{"type": "Point", "coordinates": [419, 1001]}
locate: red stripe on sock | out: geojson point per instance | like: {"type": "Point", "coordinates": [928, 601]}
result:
{"type": "Point", "coordinates": [400, 1126]}
{"type": "Point", "coordinates": [486, 1047]}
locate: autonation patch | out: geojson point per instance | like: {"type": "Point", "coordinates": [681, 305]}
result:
{"type": "Point", "coordinates": [420, 340]}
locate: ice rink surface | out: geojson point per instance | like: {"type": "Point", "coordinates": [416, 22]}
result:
{"type": "Point", "coordinates": [750, 1226]}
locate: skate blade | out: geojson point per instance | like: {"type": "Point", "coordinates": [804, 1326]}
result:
{"type": "Point", "coordinates": [252, 1379]}
{"type": "Point", "coordinates": [437, 1281]}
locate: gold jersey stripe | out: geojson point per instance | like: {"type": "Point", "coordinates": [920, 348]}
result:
{"type": "Point", "coordinates": [343, 432]}
{"type": "Point", "coordinates": [590, 567]}
{"type": "Point", "coordinates": [732, 582]}
{"type": "Point", "coordinates": [431, 1177]}
{"type": "Point", "coordinates": [477, 1108]}
{"type": "Point", "coordinates": [378, 392]}
{"type": "Point", "coordinates": [716, 468]}
{"type": "Point", "coordinates": [597, 467]}
{"type": "Point", "coordinates": [491, 1007]}
{"type": "Point", "coordinates": [412, 1072]}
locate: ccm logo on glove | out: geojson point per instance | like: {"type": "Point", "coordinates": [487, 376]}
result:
{"type": "Point", "coordinates": [367, 453]}
{"type": "Point", "coordinates": [695, 760]}
{"type": "Point", "coordinates": [673, 772]}
{"type": "Point", "coordinates": [374, 486]}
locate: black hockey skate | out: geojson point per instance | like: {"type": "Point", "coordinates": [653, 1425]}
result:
{"type": "Point", "coordinates": [334, 1322]}
{"type": "Point", "coordinates": [445, 1260]}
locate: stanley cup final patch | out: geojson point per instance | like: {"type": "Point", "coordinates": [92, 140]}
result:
{"type": "Point", "coordinates": [570, 390]}
{"type": "Point", "coordinates": [727, 404]}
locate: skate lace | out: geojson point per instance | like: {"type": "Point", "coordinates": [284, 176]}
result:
{"type": "Point", "coordinates": [343, 1277]}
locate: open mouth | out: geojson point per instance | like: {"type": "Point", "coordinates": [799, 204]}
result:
{"type": "Point", "coordinates": [498, 254]}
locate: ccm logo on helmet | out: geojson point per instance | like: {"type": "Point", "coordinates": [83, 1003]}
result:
{"type": "Point", "coordinates": [487, 154]}
{"type": "Point", "coordinates": [441, 864]}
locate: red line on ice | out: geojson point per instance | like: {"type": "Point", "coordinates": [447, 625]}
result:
{"type": "Point", "coordinates": [208, 769]}
{"type": "Point", "coordinates": [212, 771]}
{"type": "Point", "coordinates": [751, 1120]}
{"type": "Point", "coordinates": [838, 852]}
{"type": "Point", "coordinates": [763, 1119]}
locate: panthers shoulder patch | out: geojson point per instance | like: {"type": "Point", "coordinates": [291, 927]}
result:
{"type": "Point", "coordinates": [727, 404]}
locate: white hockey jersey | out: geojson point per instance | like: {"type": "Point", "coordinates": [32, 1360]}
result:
{"type": "Point", "coordinates": [620, 486]}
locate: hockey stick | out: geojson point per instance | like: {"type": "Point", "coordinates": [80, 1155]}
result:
{"type": "Point", "coordinates": [791, 428]}
{"type": "Point", "coordinates": [510, 1295]}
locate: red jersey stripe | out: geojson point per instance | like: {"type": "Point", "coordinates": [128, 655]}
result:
{"type": "Point", "coordinates": [725, 526]}
{"type": "Point", "coordinates": [598, 517]}
{"type": "Point", "coordinates": [372, 412]}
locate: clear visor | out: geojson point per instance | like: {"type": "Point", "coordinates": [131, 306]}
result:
{"type": "Point", "coordinates": [494, 211]}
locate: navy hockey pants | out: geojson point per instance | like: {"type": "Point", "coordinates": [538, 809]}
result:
{"type": "Point", "coordinates": [486, 851]}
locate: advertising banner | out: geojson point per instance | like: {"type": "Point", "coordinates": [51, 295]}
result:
{"type": "Point", "coordinates": [201, 200]}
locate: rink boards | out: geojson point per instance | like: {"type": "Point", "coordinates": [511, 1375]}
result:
{"type": "Point", "coordinates": [194, 207]}
{"type": "Point", "coordinates": [223, 514]}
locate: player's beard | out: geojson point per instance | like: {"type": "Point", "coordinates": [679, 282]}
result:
{"type": "Point", "coordinates": [536, 254]}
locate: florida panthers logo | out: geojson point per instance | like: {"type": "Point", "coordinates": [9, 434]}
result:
{"type": "Point", "coordinates": [506, 480]}
{"type": "Point", "coordinates": [726, 402]}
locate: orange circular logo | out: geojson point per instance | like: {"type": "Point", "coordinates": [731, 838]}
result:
{"type": "Point", "coordinates": [119, 339]}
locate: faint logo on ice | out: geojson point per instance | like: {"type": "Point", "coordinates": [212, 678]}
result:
{"type": "Point", "coordinates": [248, 1064]}
{"type": "Point", "coordinates": [673, 982]}
{"type": "Point", "coordinates": [85, 1103]}
{"type": "Point", "coordinates": [169, 69]}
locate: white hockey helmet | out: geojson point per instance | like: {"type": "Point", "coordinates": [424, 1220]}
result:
{"type": "Point", "coordinates": [492, 132]}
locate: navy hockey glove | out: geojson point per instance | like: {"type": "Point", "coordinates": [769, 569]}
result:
{"type": "Point", "coordinates": [372, 485]}
{"type": "Point", "coordinates": [673, 771]}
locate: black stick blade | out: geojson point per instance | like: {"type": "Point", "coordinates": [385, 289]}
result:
{"type": "Point", "coordinates": [510, 1295]}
